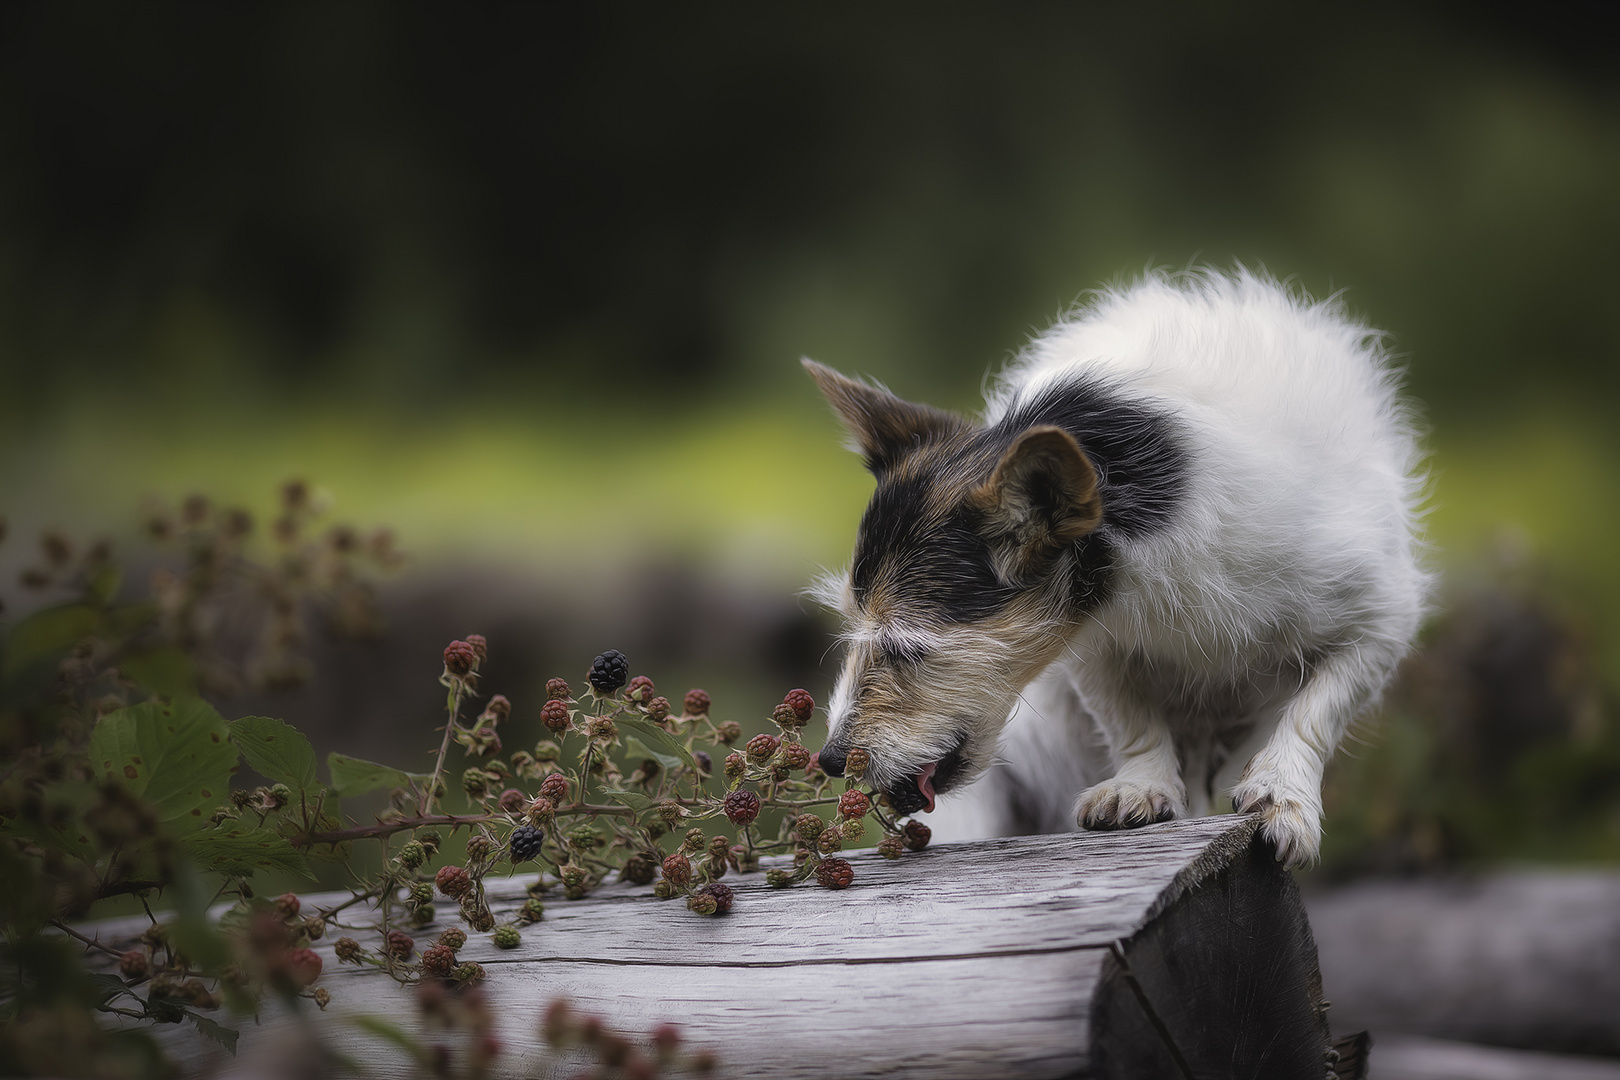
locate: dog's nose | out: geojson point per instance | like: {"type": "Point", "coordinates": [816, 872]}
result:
{"type": "Point", "coordinates": [832, 760]}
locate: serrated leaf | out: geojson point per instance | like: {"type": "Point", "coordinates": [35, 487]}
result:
{"type": "Point", "coordinates": [633, 748]}
{"type": "Point", "coordinates": [107, 986]}
{"type": "Point", "coordinates": [221, 1034]}
{"type": "Point", "coordinates": [177, 756]}
{"type": "Point", "coordinates": [242, 851]}
{"type": "Point", "coordinates": [276, 749]}
{"type": "Point", "coordinates": [661, 740]}
{"type": "Point", "coordinates": [356, 776]}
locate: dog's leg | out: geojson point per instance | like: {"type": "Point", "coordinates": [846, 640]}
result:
{"type": "Point", "coordinates": [1283, 782]}
{"type": "Point", "coordinates": [1146, 787]}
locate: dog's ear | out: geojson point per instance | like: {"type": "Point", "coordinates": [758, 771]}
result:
{"type": "Point", "coordinates": [1041, 498]}
{"type": "Point", "coordinates": [884, 427]}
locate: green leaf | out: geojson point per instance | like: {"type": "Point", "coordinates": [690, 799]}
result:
{"type": "Point", "coordinates": [221, 1034]}
{"type": "Point", "coordinates": [633, 799]}
{"type": "Point", "coordinates": [47, 632]}
{"type": "Point", "coordinates": [356, 776]}
{"type": "Point", "coordinates": [107, 986]}
{"type": "Point", "coordinates": [104, 584]}
{"type": "Point", "coordinates": [276, 749]}
{"type": "Point", "coordinates": [634, 749]}
{"type": "Point", "coordinates": [660, 740]}
{"type": "Point", "coordinates": [166, 672]}
{"type": "Point", "coordinates": [177, 756]}
{"type": "Point", "coordinates": [240, 851]}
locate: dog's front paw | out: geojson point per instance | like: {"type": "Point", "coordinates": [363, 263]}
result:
{"type": "Point", "coordinates": [1290, 823]}
{"type": "Point", "coordinates": [1127, 804]}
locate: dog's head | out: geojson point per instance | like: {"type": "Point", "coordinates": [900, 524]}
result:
{"type": "Point", "coordinates": [962, 588]}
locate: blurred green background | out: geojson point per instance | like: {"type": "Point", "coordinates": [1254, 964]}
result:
{"type": "Point", "coordinates": [529, 283]}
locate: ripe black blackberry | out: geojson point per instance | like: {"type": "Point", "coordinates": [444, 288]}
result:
{"type": "Point", "coordinates": [526, 841]}
{"type": "Point", "coordinates": [609, 671]}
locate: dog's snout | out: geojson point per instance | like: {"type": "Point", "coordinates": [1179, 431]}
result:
{"type": "Point", "coordinates": [832, 760]}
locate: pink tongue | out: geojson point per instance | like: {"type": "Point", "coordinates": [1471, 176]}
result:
{"type": "Point", "coordinates": [925, 784]}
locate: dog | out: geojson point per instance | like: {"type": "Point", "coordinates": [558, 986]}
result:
{"type": "Point", "coordinates": [1179, 555]}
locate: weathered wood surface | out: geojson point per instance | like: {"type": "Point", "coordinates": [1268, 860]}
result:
{"type": "Point", "coordinates": [1179, 949]}
{"type": "Point", "coordinates": [1525, 959]}
{"type": "Point", "coordinates": [1411, 1057]}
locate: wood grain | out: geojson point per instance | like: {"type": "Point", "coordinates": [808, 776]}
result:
{"type": "Point", "coordinates": [991, 959]}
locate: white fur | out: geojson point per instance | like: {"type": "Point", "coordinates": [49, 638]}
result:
{"type": "Point", "coordinates": [1280, 599]}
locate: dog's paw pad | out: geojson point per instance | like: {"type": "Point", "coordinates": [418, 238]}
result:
{"type": "Point", "coordinates": [1126, 804]}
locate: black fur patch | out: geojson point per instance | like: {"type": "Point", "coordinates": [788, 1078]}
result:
{"type": "Point", "coordinates": [1141, 465]}
{"type": "Point", "coordinates": [923, 548]}
{"type": "Point", "coordinates": [930, 557]}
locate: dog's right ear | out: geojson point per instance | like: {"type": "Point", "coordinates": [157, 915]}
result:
{"type": "Point", "coordinates": [884, 427]}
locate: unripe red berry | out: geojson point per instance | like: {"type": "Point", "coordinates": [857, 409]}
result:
{"type": "Point", "coordinates": [640, 689]}
{"type": "Point", "coordinates": [729, 732]}
{"type": "Point", "coordinates": [438, 960]}
{"type": "Point", "coordinates": [133, 964]}
{"type": "Point", "coordinates": [854, 804]}
{"type": "Point", "coordinates": [512, 800]}
{"type": "Point", "coordinates": [795, 755]}
{"type": "Point", "coordinates": [761, 747]}
{"type": "Point", "coordinates": [666, 1038]}
{"type": "Point", "coordinates": [453, 938]}
{"type": "Point", "coordinates": [559, 690]}
{"type": "Point", "coordinates": [499, 708]}
{"type": "Point", "coordinates": [697, 703]}
{"type": "Point", "coordinates": [801, 703]}
{"type": "Point", "coordinates": [722, 895]}
{"type": "Point", "coordinates": [556, 788]}
{"type": "Point", "coordinates": [554, 714]}
{"type": "Point", "coordinates": [287, 905]}
{"type": "Point", "coordinates": [658, 709]}
{"type": "Point", "coordinates": [453, 881]}
{"type": "Point", "coordinates": [480, 646]}
{"type": "Point", "coordinates": [835, 873]}
{"type": "Point", "coordinates": [736, 765]}
{"type": "Point", "coordinates": [346, 948]}
{"type": "Point", "coordinates": [399, 944]}
{"type": "Point", "coordinates": [855, 762]}
{"type": "Point", "coordinates": [742, 806]}
{"type": "Point", "coordinates": [890, 847]}
{"type": "Point", "coordinates": [916, 835]}
{"type": "Point", "coordinates": [460, 658]}
{"type": "Point", "coordinates": [677, 870]}
{"type": "Point", "coordinates": [830, 840]}
{"type": "Point", "coordinates": [785, 717]}
{"type": "Point", "coordinates": [809, 827]}
{"type": "Point", "coordinates": [541, 811]}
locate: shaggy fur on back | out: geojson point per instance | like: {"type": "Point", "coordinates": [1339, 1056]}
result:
{"type": "Point", "coordinates": [1175, 559]}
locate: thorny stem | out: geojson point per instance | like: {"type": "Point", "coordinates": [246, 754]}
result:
{"type": "Point", "coordinates": [89, 943]}
{"type": "Point", "coordinates": [389, 828]}
{"type": "Point", "coordinates": [454, 707]}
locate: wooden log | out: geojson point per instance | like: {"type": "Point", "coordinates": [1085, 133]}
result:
{"type": "Point", "coordinates": [1527, 958]}
{"type": "Point", "coordinates": [1178, 950]}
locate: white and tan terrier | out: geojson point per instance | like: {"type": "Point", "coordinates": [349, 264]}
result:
{"type": "Point", "coordinates": [1177, 558]}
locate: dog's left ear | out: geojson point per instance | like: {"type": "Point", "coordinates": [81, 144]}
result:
{"type": "Point", "coordinates": [1041, 498]}
{"type": "Point", "coordinates": [885, 428]}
